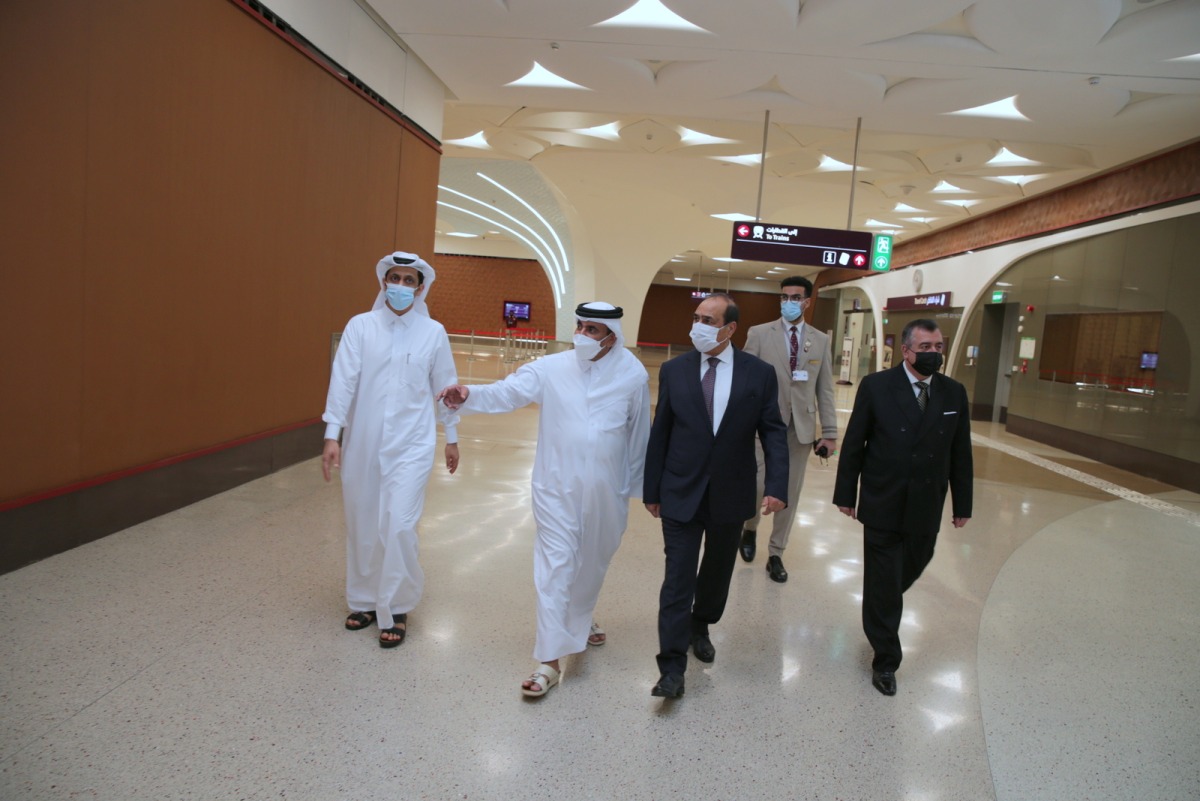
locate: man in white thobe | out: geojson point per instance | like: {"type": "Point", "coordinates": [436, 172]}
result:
{"type": "Point", "coordinates": [592, 432]}
{"type": "Point", "coordinates": [389, 365]}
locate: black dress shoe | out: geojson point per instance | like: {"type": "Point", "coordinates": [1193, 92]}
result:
{"type": "Point", "coordinates": [670, 685]}
{"type": "Point", "coordinates": [775, 568]}
{"type": "Point", "coordinates": [703, 648]}
{"type": "Point", "coordinates": [884, 681]}
{"type": "Point", "coordinates": [747, 548]}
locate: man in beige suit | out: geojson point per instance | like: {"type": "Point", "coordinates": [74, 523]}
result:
{"type": "Point", "coordinates": [801, 357]}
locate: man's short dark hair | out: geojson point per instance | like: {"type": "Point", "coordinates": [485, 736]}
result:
{"type": "Point", "coordinates": [798, 280]}
{"type": "Point", "coordinates": [730, 314]}
{"type": "Point", "coordinates": [924, 324]}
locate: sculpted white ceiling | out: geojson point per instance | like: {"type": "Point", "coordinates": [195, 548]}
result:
{"type": "Point", "coordinates": [1097, 83]}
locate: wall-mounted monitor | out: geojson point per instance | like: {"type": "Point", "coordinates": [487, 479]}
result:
{"type": "Point", "coordinates": [1149, 360]}
{"type": "Point", "coordinates": [516, 309]}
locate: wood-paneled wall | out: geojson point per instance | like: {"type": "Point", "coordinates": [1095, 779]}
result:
{"type": "Point", "coordinates": [190, 208]}
{"type": "Point", "coordinates": [1100, 348]}
{"type": "Point", "coordinates": [667, 314]}
{"type": "Point", "coordinates": [470, 292]}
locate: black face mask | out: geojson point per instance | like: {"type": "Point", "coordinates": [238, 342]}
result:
{"type": "Point", "coordinates": [927, 362]}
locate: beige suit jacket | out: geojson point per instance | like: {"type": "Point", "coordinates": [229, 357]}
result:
{"type": "Point", "coordinates": [801, 403]}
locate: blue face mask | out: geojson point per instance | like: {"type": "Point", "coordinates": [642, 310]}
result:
{"type": "Point", "coordinates": [400, 297]}
{"type": "Point", "coordinates": [792, 309]}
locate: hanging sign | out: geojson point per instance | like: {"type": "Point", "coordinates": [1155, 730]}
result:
{"type": "Point", "coordinates": [795, 244]}
{"type": "Point", "coordinates": [936, 300]}
{"type": "Point", "coordinates": [881, 256]}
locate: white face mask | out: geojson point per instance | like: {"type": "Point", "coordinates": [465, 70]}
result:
{"type": "Point", "coordinates": [587, 348]}
{"type": "Point", "coordinates": [704, 337]}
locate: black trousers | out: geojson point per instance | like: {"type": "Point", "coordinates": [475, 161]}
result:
{"type": "Point", "coordinates": [892, 561]}
{"type": "Point", "coordinates": [690, 601]}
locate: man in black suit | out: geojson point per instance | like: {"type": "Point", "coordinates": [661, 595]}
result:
{"type": "Point", "coordinates": [908, 441]}
{"type": "Point", "coordinates": [701, 478]}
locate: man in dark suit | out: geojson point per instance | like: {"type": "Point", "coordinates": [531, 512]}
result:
{"type": "Point", "coordinates": [907, 442]}
{"type": "Point", "coordinates": [701, 478]}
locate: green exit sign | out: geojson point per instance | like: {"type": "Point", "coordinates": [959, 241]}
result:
{"type": "Point", "coordinates": [999, 295]}
{"type": "Point", "coordinates": [881, 255]}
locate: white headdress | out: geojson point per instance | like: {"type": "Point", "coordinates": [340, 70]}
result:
{"type": "Point", "coordinates": [597, 311]}
{"type": "Point", "coordinates": [402, 259]}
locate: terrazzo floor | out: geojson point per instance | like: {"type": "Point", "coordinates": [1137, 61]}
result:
{"type": "Point", "coordinates": [201, 655]}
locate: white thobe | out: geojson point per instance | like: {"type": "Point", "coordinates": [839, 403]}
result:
{"type": "Point", "coordinates": [592, 432]}
{"type": "Point", "coordinates": [386, 373]}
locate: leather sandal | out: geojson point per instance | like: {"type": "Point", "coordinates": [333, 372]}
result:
{"type": "Point", "coordinates": [544, 677]}
{"type": "Point", "coordinates": [397, 621]}
{"type": "Point", "coordinates": [360, 620]}
{"type": "Point", "coordinates": [597, 637]}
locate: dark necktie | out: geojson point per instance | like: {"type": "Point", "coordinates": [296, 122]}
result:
{"type": "Point", "coordinates": [707, 384]}
{"type": "Point", "coordinates": [795, 350]}
{"type": "Point", "coordinates": [923, 395]}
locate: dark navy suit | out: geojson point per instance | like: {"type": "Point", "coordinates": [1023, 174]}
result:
{"type": "Point", "coordinates": [706, 487]}
{"type": "Point", "coordinates": [896, 465]}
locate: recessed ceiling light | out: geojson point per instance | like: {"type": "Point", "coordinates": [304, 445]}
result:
{"type": "Point", "coordinates": [1019, 180]}
{"type": "Point", "coordinates": [689, 137]}
{"type": "Point", "coordinates": [471, 141]}
{"type": "Point", "coordinates": [1007, 158]}
{"type": "Point", "coordinates": [750, 159]}
{"type": "Point", "coordinates": [610, 131]}
{"type": "Point", "coordinates": [677, 278]}
{"type": "Point", "coordinates": [542, 77]}
{"type": "Point", "coordinates": [726, 258]}
{"type": "Point", "coordinates": [964, 203]}
{"type": "Point", "coordinates": [828, 164]}
{"type": "Point", "coordinates": [905, 208]}
{"type": "Point", "coordinates": [463, 234]}
{"type": "Point", "coordinates": [650, 14]}
{"type": "Point", "coordinates": [733, 217]}
{"type": "Point", "coordinates": [943, 186]}
{"type": "Point", "coordinates": [1005, 109]}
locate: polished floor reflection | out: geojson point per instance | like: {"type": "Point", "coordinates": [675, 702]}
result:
{"type": "Point", "coordinates": [1049, 653]}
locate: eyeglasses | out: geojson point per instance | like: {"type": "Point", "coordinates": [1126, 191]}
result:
{"type": "Point", "coordinates": [786, 298]}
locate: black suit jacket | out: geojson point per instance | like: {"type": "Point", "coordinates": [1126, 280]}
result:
{"type": "Point", "coordinates": [683, 457]}
{"type": "Point", "coordinates": [905, 460]}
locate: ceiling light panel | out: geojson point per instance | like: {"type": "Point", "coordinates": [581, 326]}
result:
{"type": "Point", "coordinates": [650, 14]}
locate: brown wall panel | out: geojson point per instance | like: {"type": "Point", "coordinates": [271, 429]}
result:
{"type": "Point", "coordinates": [195, 206]}
{"type": "Point", "coordinates": [43, 269]}
{"type": "Point", "coordinates": [1164, 178]}
{"type": "Point", "coordinates": [416, 206]}
{"type": "Point", "coordinates": [470, 292]}
{"type": "Point", "coordinates": [667, 314]}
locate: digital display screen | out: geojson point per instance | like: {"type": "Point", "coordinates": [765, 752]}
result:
{"type": "Point", "coordinates": [1149, 360]}
{"type": "Point", "coordinates": [517, 309]}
